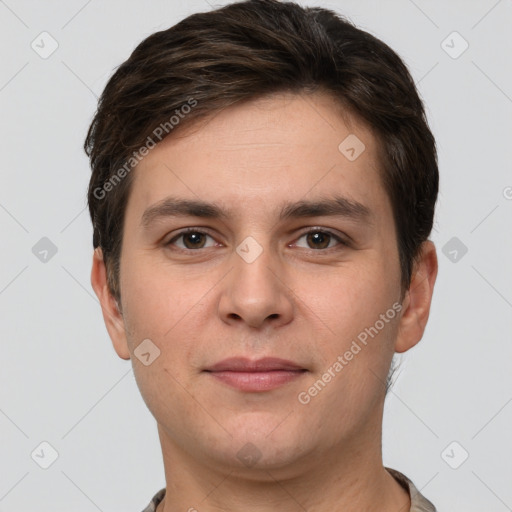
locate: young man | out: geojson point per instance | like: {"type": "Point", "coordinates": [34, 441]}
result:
{"type": "Point", "coordinates": [263, 188]}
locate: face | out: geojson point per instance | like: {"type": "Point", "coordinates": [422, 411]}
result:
{"type": "Point", "coordinates": [293, 256]}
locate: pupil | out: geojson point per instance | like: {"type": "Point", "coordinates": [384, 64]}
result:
{"type": "Point", "coordinates": [321, 238]}
{"type": "Point", "coordinates": [194, 237]}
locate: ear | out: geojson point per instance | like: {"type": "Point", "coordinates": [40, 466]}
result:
{"type": "Point", "coordinates": [111, 314]}
{"type": "Point", "coordinates": [417, 300]}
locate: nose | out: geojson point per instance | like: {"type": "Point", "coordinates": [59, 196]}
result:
{"type": "Point", "coordinates": [256, 292]}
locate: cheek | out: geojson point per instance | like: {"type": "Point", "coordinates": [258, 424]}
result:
{"type": "Point", "coordinates": [350, 382]}
{"type": "Point", "coordinates": [351, 295]}
{"type": "Point", "coordinates": [164, 305]}
{"type": "Point", "coordinates": [355, 308]}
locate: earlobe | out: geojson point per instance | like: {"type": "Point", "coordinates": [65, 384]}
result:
{"type": "Point", "coordinates": [113, 318]}
{"type": "Point", "coordinates": [417, 301]}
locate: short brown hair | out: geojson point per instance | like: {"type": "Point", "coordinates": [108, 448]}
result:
{"type": "Point", "coordinates": [243, 51]}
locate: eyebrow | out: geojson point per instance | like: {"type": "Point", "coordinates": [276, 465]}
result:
{"type": "Point", "coordinates": [338, 206]}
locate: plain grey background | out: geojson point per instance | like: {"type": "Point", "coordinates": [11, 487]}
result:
{"type": "Point", "coordinates": [61, 382]}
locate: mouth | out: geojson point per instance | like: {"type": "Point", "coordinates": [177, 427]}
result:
{"type": "Point", "coordinates": [255, 376]}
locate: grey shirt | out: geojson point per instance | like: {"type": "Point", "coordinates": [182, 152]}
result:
{"type": "Point", "coordinates": [418, 502]}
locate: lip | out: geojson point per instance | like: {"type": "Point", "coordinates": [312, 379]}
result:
{"type": "Point", "coordinates": [255, 376]}
{"type": "Point", "coordinates": [244, 364]}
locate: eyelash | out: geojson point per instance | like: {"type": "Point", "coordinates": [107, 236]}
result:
{"type": "Point", "coordinates": [186, 231]}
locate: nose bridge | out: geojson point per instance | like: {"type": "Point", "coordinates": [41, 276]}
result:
{"type": "Point", "coordinates": [252, 260]}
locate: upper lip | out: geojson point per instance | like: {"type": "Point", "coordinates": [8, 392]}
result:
{"type": "Point", "coordinates": [243, 364]}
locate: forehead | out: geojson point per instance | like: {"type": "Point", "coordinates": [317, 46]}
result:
{"type": "Point", "coordinates": [284, 146]}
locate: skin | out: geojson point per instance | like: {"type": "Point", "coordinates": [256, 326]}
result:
{"type": "Point", "coordinates": [300, 299]}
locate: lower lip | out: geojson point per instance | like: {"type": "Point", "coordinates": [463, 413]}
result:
{"type": "Point", "coordinates": [257, 381]}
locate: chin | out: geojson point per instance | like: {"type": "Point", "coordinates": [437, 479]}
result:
{"type": "Point", "coordinates": [265, 444]}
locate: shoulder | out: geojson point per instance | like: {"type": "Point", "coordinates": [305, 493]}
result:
{"type": "Point", "coordinates": [418, 502]}
{"type": "Point", "coordinates": [157, 498]}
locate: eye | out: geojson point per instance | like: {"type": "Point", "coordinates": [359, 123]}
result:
{"type": "Point", "coordinates": [192, 239]}
{"type": "Point", "coordinates": [321, 239]}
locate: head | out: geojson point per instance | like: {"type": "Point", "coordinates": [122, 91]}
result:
{"type": "Point", "coordinates": [252, 118]}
